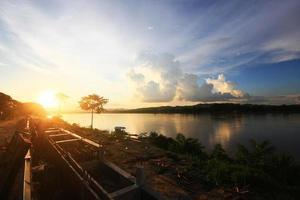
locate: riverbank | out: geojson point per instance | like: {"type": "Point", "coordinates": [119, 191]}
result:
{"type": "Point", "coordinates": [180, 167]}
{"type": "Point", "coordinates": [163, 169]}
{"type": "Point", "coordinates": [229, 130]}
{"type": "Point", "coordinates": [193, 173]}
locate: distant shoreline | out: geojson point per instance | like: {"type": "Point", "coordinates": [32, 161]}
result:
{"type": "Point", "coordinates": [223, 108]}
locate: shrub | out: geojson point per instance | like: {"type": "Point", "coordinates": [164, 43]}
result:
{"type": "Point", "coordinates": [219, 153]}
{"type": "Point", "coordinates": [258, 168]}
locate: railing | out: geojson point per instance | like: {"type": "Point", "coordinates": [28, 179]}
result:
{"type": "Point", "coordinates": [27, 177]}
{"type": "Point", "coordinates": [81, 138]}
{"type": "Point", "coordinates": [84, 175]}
{"type": "Point", "coordinates": [27, 166]}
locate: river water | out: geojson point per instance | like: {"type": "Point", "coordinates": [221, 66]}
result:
{"type": "Point", "coordinates": [283, 131]}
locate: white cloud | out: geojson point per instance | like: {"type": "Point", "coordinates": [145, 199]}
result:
{"type": "Point", "coordinates": [153, 92]}
{"type": "Point", "coordinates": [171, 83]}
{"type": "Point", "coordinates": [78, 38]}
{"type": "Point", "coordinates": [74, 40]}
{"type": "Point", "coordinates": [211, 90]}
{"type": "Point", "coordinates": [189, 89]}
{"type": "Point", "coordinates": [137, 78]}
{"type": "Point", "coordinates": [158, 79]}
{"type": "Point", "coordinates": [220, 85]}
{"type": "Point", "coordinates": [150, 28]}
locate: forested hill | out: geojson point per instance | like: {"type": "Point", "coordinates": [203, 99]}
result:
{"type": "Point", "coordinates": [10, 108]}
{"type": "Point", "coordinates": [216, 108]}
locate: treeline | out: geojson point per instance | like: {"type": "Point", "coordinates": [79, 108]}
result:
{"type": "Point", "coordinates": [10, 108]}
{"type": "Point", "coordinates": [258, 170]}
{"type": "Point", "coordinates": [216, 108]}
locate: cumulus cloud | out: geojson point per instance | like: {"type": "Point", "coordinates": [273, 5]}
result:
{"type": "Point", "coordinates": [159, 81]}
{"type": "Point", "coordinates": [164, 81]}
{"type": "Point", "coordinates": [211, 90]}
{"type": "Point", "coordinates": [189, 89]}
{"type": "Point", "coordinates": [136, 77]}
{"type": "Point", "coordinates": [153, 92]}
{"type": "Point", "coordinates": [222, 86]}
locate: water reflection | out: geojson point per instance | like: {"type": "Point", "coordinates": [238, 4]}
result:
{"type": "Point", "coordinates": [228, 130]}
{"type": "Point", "coordinates": [225, 129]}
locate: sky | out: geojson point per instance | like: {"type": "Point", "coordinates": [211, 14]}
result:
{"type": "Point", "coordinates": [151, 53]}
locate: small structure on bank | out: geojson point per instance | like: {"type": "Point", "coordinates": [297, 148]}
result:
{"type": "Point", "coordinates": [120, 129]}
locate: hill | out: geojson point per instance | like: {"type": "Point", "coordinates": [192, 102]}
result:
{"type": "Point", "coordinates": [10, 108]}
{"type": "Point", "coordinates": [215, 108]}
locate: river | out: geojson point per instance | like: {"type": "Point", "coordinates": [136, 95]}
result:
{"type": "Point", "coordinates": [283, 131]}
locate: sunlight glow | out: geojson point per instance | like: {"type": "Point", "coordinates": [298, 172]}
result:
{"type": "Point", "coordinates": [48, 99]}
{"type": "Point", "coordinates": [49, 116]}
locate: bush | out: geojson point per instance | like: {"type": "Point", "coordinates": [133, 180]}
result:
{"type": "Point", "coordinates": [258, 168]}
{"type": "Point", "coordinates": [181, 144]}
{"type": "Point", "coordinates": [219, 153]}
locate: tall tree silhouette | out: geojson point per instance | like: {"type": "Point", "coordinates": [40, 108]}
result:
{"type": "Point", "coordinates": [93, 103]}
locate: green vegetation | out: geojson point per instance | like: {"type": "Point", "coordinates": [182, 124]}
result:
{"type": "Point", "coordinates": [93, 103]}
{"type": "Point", "coordinates": [180, 144]}
{"type": "Point", "coordinates": [217, 108]}
{"type": "Point", "coordinates": [258, 170]}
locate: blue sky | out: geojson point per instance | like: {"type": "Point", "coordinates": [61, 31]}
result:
{"type": "Point", "coordinates": [270, 79]}
{"type": "Point", "coordinates": [147, 53]}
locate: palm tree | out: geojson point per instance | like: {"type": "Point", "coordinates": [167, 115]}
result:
{"type": "Point", "coordinates": [261, 152]}
{"type": "Point", "coordinates": [219, 153]}
{"type": "Point", "coordinates": [243, 154]}
{"type": "Point", "coordinates": [188, 145]}
{"type": "Point", "coordinates": [257, 155]}
{"type": "Point", "coordinates": [94, 103]}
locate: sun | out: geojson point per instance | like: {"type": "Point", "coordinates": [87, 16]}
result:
{"type": "Point", "coordinates": [48, 99]}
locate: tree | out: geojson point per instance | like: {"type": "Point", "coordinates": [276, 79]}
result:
{"type": "Point", "coordinates": [219, 153]}
{"type": "Point", "coordinates": [261, 152]}
{"type": "Point", "coordinates": [7, 106]}
{"type": "Point", "coordinates": [94, 103]}
{"type": "Point", "coordinates": [257, 155]}
{"type": "Point", "coordinates": [188, 145]}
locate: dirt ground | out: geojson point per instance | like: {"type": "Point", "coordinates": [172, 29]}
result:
{"type": "Point", "coordinates": [7, 129]}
